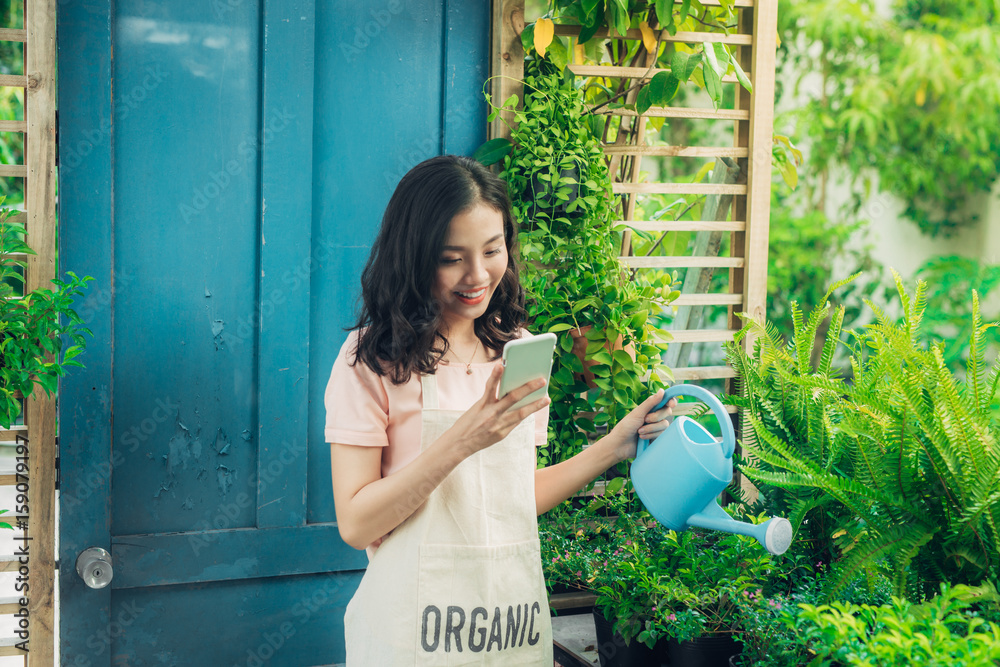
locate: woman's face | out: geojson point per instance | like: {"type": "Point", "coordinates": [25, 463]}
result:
{"type": "Point", "coordinates": [472, 262]}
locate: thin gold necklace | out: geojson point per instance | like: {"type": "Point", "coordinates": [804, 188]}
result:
{"type": "Point", "coordinates": [468, 364]}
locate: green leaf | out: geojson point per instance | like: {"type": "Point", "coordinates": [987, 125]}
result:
{"type": "Point", "coordinates": [665, 12]}
{"type": "Point", "coordinates": [682, 65]}
{"type": "Point", "coordinates": [615, 485]}
{"type": "Point", "coordinates": [588, 31]}
{"type": "Point", "coordinates": [558, 53]}
{"type": "Point", "coordinates": [603, 383]}
{"type": "Point", "coordinates": [643, 101]}
{"type": "Point", "coordinates": [621, 19]}
{"type": "Point", "coordinates": [602, 357]}
{"type": "Point", "coordinates": [723, 56]}
{"type": "Point", "coordinates": [528, 38]}
{"type": "Point", "coordinates": [712, 58]}
{"type": "Point", "coordinates": [662, 88]}
{"type": "Point", "coordinates": [741, 75]}
{"type": "Point", "coordinates": [788, 172]}
{"type": "Point", "coordinates": [492, 151]}
{"type": "Point", "coordinates": [685, 8]}
{"type": "Point", "coordinates": [596, 504]}
{"type": "Point", "coordinates": [622, 357]}
{"type": "Point", "coordinates": [713, 84]}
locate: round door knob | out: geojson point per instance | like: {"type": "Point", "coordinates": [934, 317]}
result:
{"type": "Point", "coordinates": [94, 567]}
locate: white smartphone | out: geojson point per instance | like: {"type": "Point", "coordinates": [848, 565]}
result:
{"type": "Point", "coordinates": [524, 360]}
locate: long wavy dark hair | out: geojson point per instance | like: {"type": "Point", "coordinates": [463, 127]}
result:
{"type": "Point", "coordinates": [399, 318]}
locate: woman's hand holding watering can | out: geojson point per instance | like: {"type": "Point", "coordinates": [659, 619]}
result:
{"type": "Point", "coordinates": [643, 422]}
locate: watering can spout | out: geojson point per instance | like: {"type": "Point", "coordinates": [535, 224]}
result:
{"type": "Point", "coordinates": [775, 534]}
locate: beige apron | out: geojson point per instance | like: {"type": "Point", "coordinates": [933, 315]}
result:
{"type": "Point", "coordinates": [460, 581]}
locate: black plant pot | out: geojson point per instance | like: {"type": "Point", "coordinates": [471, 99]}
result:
{"type": "Point", "coordinates": [558, 588]}
{"type": "Point", "coordinates": [613, 650]}
{"type": "Point", "coordinates": [704, 651]}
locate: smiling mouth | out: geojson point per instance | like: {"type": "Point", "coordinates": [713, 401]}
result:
{"type": "Point", "coordinates": [473, 297]}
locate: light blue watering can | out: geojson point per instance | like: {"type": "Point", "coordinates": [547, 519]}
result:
{"type": "Point", "coordinates": [680, 474]}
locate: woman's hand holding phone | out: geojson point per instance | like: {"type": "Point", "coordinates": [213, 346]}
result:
{"type": "Point", "coordinates": [513, 391]}
{"type": "Point", "coordinates": [491, 419]}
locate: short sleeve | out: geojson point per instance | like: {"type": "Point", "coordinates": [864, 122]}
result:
{"type": "Point", "coordinates": [542, 427]}
{"type": "Point", "coordinates": [357, 407]}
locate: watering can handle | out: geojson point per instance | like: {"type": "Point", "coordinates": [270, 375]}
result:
{"type": "Point", "coordinates": [709, 399]}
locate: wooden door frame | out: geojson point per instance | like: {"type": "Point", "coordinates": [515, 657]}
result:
{"type": "Point", "coordinates": [39, 408]}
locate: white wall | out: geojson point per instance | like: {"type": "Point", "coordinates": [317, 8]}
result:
{"type": "Point", "coordinates": [990, 227]}
{"type": "Point", "coordinates": [896, 242]}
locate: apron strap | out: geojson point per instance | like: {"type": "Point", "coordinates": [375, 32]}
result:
{"type": "Point", "coordinates": [428, 385]}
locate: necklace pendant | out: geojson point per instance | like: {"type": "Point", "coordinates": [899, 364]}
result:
{"type": "Point", "coordinates": [468, 369]}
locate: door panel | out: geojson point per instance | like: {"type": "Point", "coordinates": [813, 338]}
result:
{"type": "Point", "coordinates": [224, 169]}
{"type": "Point", "coordinates": [186, 172]}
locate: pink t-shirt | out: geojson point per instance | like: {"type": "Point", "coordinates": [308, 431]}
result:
{"type": "Point", "coordinates": [365, 409]}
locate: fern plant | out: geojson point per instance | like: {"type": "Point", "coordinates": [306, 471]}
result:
{"type": "Point", "coordinates": [898, 469]}
{"type": "Point", "coordinates": [794, 421]}
{"type": "Point", "coordinates": [948, 319]}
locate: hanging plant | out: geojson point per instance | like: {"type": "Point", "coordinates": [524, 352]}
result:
{"type": "Point", "coordinates": [561, 192]}
{"type": "Point", "coordinates": [560, 185]}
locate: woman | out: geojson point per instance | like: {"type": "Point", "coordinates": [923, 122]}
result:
{"type": "Point", "coordinates": [431, 472]}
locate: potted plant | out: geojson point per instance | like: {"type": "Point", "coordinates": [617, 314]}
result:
{"type": "Point", "coordinates": [673, 596]}
{"type": "Point", "coordinates": [581, 544]}
{"type": "Point", "coordinates": [40, 333]}
{"type": "Point", "coordinates": [586, 549]}
{"type": "Point", "coordinates": [707, 580]}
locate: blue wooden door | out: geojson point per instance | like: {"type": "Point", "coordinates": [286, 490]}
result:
{"type": "Point", "coordinates": [224, 166]}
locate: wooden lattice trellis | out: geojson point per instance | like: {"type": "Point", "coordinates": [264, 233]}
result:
{"type": "Point", "coordinates": [738, 196]}
{"type": "Point", "coordinates": [39, 427]}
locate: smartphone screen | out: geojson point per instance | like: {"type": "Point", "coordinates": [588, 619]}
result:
{"type": "Point", "coordinates": [524, 360]}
